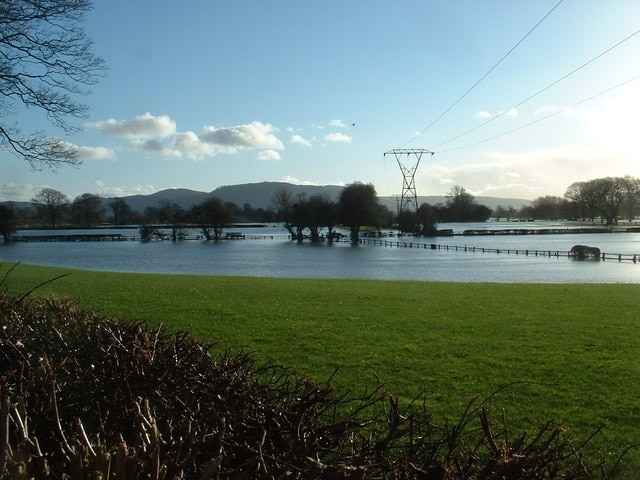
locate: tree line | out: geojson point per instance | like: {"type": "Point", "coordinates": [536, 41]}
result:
{"type": "Point", "coordinates": [605, 200]}
{"type": "Point", "coordinates": [316, 217]}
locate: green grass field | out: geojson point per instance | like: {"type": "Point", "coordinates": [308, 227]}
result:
{"type": "Point", "coordinates": [569, 353]}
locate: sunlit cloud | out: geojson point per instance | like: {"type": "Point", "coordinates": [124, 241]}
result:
{"type": "Point", "coordinates": [254, 135]}
{"type": "Point", "coordinates": [17, 192]}
{"type": "Point", "coordinates": [295, 181]}
{"type": "Point", "coordinates": [337, 137]}
{"type": "Point", "coordinates": [142, 127]}
{"type": "Point", "coordinates": [92, 153]}
{"type": "Point", "coordinates": [512, 112]}
{"type": "Point", "coordinates": [613, 128]}
{"type": "Point", "coordinates": [525, 174]}
{"type": "Point", "coordinates": [485, 115]}
{"type": "Point", "coordinates": [337, 123]}
{"type": "Point", "coordinates": [546, 110]}
{"type": "Point", "coordinates": [158, 135]}
{"type": "Point", "coordinates": [113, 191]}
{"type": "Point", "coordinates": [191, 146]}
{"type": "Point", "coordinates": [268, 155]}
{"type": "Point", "coordinates": [300, 140]}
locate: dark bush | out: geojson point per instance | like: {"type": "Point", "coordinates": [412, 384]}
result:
{"type": "Point", "coordinates": [89, 397]}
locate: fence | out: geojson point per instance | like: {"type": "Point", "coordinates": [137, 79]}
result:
{"type": "Point", "coordinates": [459, 248]}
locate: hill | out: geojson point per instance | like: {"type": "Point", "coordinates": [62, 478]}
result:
{"type": "Point", "coordinates": [260, 195]}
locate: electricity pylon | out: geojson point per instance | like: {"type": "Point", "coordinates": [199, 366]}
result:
{"type": "Point", "coordinates": [408, 160]}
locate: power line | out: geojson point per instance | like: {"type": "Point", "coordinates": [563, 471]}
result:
{"type": "Point", "coordinates": [545, 117]}
{"type": "Point", "coordinates": [485, 75]}
{"type": "Point", "coordinates": [530, 97]}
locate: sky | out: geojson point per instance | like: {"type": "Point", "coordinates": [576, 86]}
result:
{"type": "Point", "coordinates": [515, 98]}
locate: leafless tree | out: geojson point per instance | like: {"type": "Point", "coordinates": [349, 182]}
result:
{"type": "Point", "coordinates": [174, 215]}
{"type": "Point", "coordinates": [51, 205]}
{"type": "Point", "coordinates": [45, 61]}
{"type": "Point", "coordinates": [87, 210]}
{"type": "Point", "coordinates": [121, 211]}
{"type": "Point", "coordinates": [283, 201]}
{"type": "Point", "coordinates": [607, 197]}
{"type": "Point", "coordinates": [212, 216]}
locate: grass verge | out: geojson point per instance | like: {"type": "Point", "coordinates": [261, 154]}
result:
{"type": "Point", "coordinates": [562, 352]}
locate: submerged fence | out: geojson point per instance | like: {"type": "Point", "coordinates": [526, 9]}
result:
{"type": "Point", "coordinates": [506, 251]}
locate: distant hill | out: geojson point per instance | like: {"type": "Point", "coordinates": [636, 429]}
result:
{"type": "Point", "coordinates": [260, 195]}
{"type": "Point", "coordinates": [181, 196]}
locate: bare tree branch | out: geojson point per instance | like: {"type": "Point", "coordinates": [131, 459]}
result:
{"type": "Point", "coordinates": [45, 61]}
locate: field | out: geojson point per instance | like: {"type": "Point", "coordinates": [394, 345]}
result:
{"type": "Point", "coordinates": [567, 353]}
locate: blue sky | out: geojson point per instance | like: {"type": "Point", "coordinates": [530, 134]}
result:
{"type": "Point", "coordinates": [202, 94]}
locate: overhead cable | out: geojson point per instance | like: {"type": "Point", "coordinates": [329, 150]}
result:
{"type": "Point", "coordinates": [545, 117]}
{"type": "Point", "coordinates": [485, 75]}
{"type": "Point", "coordinates": [564, 77]}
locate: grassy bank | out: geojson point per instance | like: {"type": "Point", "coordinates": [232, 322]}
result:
{"type": "Point", "coordinates": [568, 352]}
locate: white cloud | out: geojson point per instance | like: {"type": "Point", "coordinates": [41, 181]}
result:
{"type": "Point", "coordinates": [149, 145]}
{"type": "Point", "coordinates": [96, 153]}
{"type": "Point", "coordinates": [300, 140]}
{"type": "Point", "coordinates": [15, 192]}
{"type": "Point", "coordinates": [524, 174]}
{"type": "Point", "coordinates": [254, 135]}
{"type": "Point", "coordinates": [142, 127]}
{"type": "Point", "coordinates": [512, 112]}
{"type": "Point", "coordinates": [485, 115]}
{"type": "Point", "coordinates": [191, 146]}
{"type": "Point", "coordinates": [113, 191]}
{"type": "Point", "coordinates": [295, 181]}
{"type": "Point", "coordinates": [268, 155]}
{"type": "Point", "coordinates": [158, 136]}
{"type": "Point", "coordinates": [337, 123]}
{"type": "Point", "coordinates": [613, 128]}
{"type": "Point", "coordinates": [92, 153]}
{"type": "Point", "coordinates": [512, 175]}
{"type": "Point", "coordinates": [546, 110]}
{"type": "Point", "coordinates": [337, 137]}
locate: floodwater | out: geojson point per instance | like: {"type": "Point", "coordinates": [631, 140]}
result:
{"type": "Point", "coordinates": [267, 252]}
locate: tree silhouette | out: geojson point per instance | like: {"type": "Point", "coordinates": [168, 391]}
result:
{"type": "Point", "coordinates": [51, 205]}
{"type": "Point", "coordinates": [45, 60]}
{"type": "Point", "coordinates": [358, 206]}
